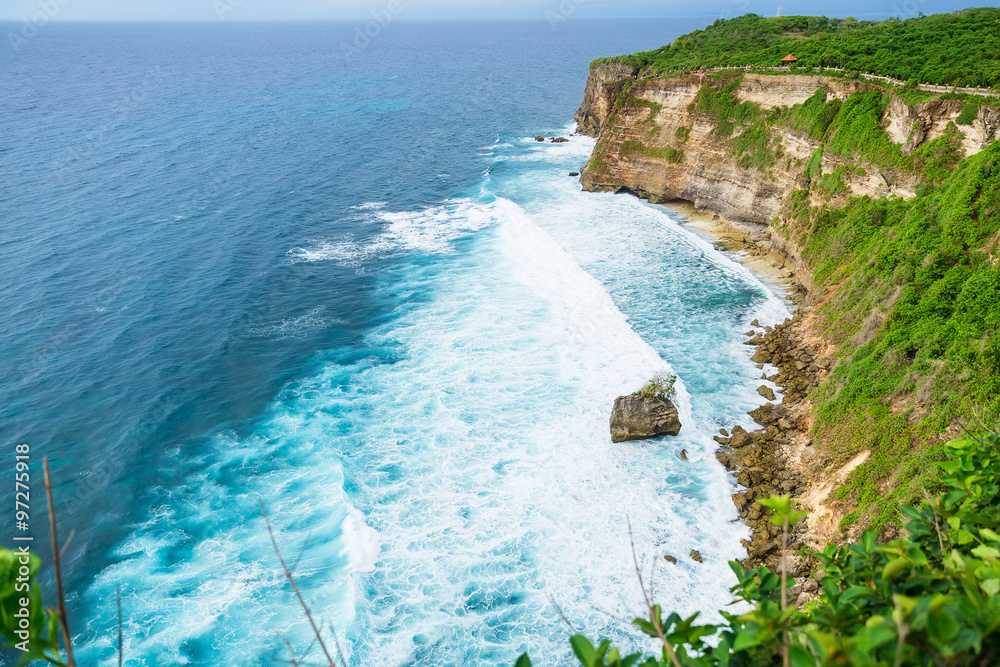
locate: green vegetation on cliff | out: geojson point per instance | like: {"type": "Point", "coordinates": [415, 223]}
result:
{"type": "Point", "coordinates": [908, 291]}
{"type": "Point", "coordinates": [850, 129]}
{"type": "Point", "coordinates": [914, 284]}
{"type": "Point", "coordinates": [915, 307]}
{"type": "Point", "coordinates": [961, 49]}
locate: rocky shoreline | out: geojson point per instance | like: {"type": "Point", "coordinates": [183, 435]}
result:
{"type": "Point", "coordinates": [778, 457]}
{"type": "Point", "coordinates": [662, 139]}
{"type": "Point", "coordinates": [758, 459]}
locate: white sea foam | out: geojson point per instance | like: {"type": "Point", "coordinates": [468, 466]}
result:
{"type": "Point", "coordinates": [361, 542]}
{"type": "Point", "coordinates": [432, 230]}
{"type": "Point", "coordinates": [369, 206]}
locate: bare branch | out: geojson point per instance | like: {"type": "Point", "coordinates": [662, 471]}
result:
{"type": "Point", "coordinates": [901, 631]}
{"type": "Point", "coordinates": [57, 566]}
{"type": "Point", "coordinates": [298, 594]}
{"type": "Point", "coordinates": [121, 650]}
{"type": "Point", "coordinates": [654, 617]}
{"type": "Point", "coordinates": [291, 652]}
{"type": "Point", "coordinates": [652, 577]}
{"type": "Point", "coordinates": [336, 642]}
{"type": "Point", "coordinates": [785, 657]}
{"type": "Point", "coordinates": [552, 601]}
{"type": "Point", "coordinates": [302, 551]}
{"type": "Point", "coordinates": [62, 552]}
{"type": "Point", "coordinates": [613, 617]}
{"type": "Point", "coordinates": [937, 526]}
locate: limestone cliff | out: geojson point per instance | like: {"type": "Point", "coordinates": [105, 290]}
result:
{"type": "Point", "coordinates": [657, 140]}
{"type": "Point", "coordinates": [603, 86]}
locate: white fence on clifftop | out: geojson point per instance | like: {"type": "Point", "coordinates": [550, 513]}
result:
{"type": "Point", "coordinates": [985, 92]}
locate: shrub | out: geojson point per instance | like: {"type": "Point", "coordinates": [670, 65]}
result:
{"type": "Point", "coordinates": [36, 633]}
{"type": "Point", "coordinates": [969, 113]}
{"type": "Point", "coordinates": [661, 387]}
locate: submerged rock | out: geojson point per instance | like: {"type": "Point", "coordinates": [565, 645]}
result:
{"type": "Point", "coordinates": [696, 556]}
{"type": "Point", "coordinates": [683, 455]}
{"type": "Point", "coordinates": [574, 173]}
{"type": "Point", "coordinates": [559, 140]}
{"type": "Point", "coordinates": [539, 138]}
{"type": "Point", "coordinates": [638, 417]}
{"type": "Point", "coordinates": [670, 559]}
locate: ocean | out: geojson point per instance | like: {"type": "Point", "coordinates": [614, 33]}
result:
{"type": "Point", "coordinates": [247, 266]}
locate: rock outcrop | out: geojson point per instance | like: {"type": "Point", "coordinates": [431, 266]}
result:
{"type": "Point", "coordinates": [603, 86]}
{"type": "Point", "coordinates": [639, 417]}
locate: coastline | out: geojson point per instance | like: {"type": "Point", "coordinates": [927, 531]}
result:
{"type": "Point", "coordinates": [745, 246]}
{"type": "Point", "coordinates": [779, 456]}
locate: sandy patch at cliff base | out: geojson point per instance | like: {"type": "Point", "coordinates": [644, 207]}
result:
{"type": "Point", "coordinates": [739, 243]}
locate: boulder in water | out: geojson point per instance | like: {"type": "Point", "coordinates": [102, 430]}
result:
{"type": "Point", "coordinates": [639, 417]}
{"type": "Point", "coordinates": [766, 392]}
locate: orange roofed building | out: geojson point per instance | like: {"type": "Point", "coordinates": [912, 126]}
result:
{"type": "Point", "coordinates": [789, 59]}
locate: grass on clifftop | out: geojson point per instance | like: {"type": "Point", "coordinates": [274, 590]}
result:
{"type": "Point", "coordinates": [960, 49]}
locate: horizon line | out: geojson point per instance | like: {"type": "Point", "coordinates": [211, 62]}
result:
{"type": "Point", "coordinates": [401, 19]}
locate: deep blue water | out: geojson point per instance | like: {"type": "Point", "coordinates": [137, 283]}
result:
{"type": "Point", "coordinates": [239, 268]}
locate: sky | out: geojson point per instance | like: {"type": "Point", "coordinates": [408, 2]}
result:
{"type": "Point", "coordinates": [353, 10]}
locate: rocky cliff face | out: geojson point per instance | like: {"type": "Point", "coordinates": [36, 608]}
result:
{"type": "Point", "coordinates": [603, 86]}
{"type": "Point", "coordinates": [655, 141]}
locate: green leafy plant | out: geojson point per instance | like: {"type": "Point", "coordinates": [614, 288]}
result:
{"type": "Point", "coordinates": [969, 113]}
{"type": "Point", "coordinates": [29, 628]}
{"type": "Point", "coordinates": [661, 387]}
{"type": "Point", "coordinates": [955, 49]}
{"type": "Point", "coordinates": [25, 624]}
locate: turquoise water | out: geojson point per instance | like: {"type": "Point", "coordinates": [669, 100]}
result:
{"type": "Point", "coordinates": [243, 270]}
